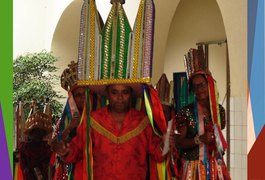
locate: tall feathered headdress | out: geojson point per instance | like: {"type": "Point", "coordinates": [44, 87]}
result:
{"type": "Point", "coordinates": [115, 54]}
{"type": "Point", "coordinates": [195, 62]}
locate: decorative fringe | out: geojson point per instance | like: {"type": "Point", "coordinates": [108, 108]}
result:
{"type": "Point", "coordinates": [149, 111]}
{"type": "Point", "coordinates": [221, 143]}
{"type": "Point", "coordinates": [157, 120]}
{"type": "Point", "coordinates": [86, 138]}
{"type": "Point", "coordinates": [172, 167]}
{"type": "Point", "coordinates": [161, 170]}
{"type": "Point", "coordinates": [211, 170]}
{"type": "Point", "coordinates": [154, 111]}
{"type": "Point", "coordinates": [213, 95]}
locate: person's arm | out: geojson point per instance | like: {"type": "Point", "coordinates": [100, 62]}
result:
{"type": "Point", "coordinates": [70, 151]}
{"type": "Point", "coordinates": [66, 134]}
{"type": "Point", "coordinates": [181, 139]}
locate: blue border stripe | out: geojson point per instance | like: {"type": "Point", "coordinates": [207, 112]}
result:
{"type": "Point", "coordinates": [256, 77]}
{"type": "Point", "coordinates": [252, 13]}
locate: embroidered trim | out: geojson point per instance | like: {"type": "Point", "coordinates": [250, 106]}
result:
{"type": "Point", "coordinates": [113, 81]}
{"type": "Point", "coordinates": [121, 139]}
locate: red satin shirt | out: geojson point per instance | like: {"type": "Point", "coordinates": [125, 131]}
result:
{"type": "Point", "coordinates": [119, 160]}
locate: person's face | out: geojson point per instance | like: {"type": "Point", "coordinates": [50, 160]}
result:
{"type": "Point", "coordinates": [119, 98]}
{"type": "Point", "coordinates": [167, 112]}
{"type": "Point", "coordinates": [37, 134]}
{"type": "Point", "coordinates": [79, 97]}
{"type": "Point", "coordinates": [200, 87]}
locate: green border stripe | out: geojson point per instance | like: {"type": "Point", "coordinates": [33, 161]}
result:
{"type": "Point", "coordinates": [6, 60]}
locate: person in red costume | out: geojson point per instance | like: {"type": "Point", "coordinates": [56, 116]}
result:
{"type": "Point", "coordinates": [66, 126]}
{"type": "Point", "coordinates": [121, 139]}
{"type": "Point", "coordinates": [116, 141]}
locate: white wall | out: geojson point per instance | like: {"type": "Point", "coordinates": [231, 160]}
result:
{"type": "Point", "coordinates": [28, 26]}
{"type": "Point", "coordinates": [235, 21]}
{"type": "Point", "coordinates": [34, 22]}
{"type": "Point", "coordinates": [197, 21]}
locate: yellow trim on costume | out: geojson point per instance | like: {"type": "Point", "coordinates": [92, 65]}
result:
{"type": "Point", "coordinates": [92, 38]}
{"type": "Point", "coordinates": [106, 46]}
{"type": "Point", "coordinates": [113, 81]}
{"type": "Point", "coordinates": [137, 39]}
{"type": "Point", "coordinates": [193, 169]}
{"type": "Point", "coordinates": [122, 43]}
{"type": "Point", "coordinates": [121, 139]}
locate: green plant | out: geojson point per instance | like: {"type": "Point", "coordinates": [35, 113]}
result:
{"type": "Point", "coordinates": [34, 78]}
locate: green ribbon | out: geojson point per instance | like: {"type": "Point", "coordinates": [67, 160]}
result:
{"type": "Point", "coordinates": [88, 132]}
{"type": "Point", "coordinates": [149, 112]}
